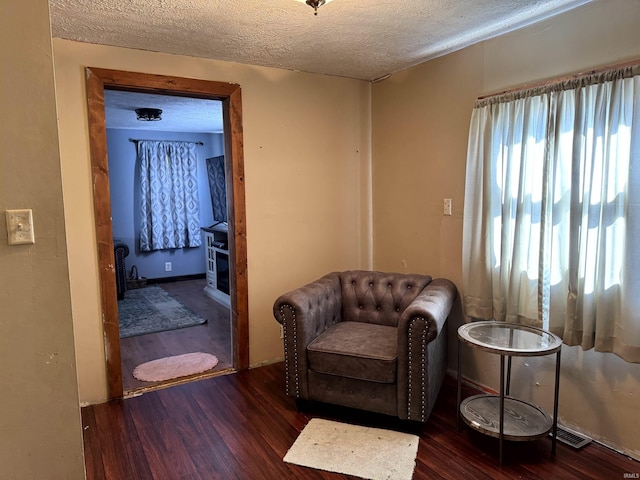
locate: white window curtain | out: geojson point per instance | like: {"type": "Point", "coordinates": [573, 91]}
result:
{"type": "Point", "coordinates": [552, 211]}
{"type": "Point", "coordinates": [169, 206]}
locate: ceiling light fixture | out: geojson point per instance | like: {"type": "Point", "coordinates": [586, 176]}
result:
{"type": "Point", "coordinates": [149, 114]}
{"type": "Point", "coordinates": [315, 4]}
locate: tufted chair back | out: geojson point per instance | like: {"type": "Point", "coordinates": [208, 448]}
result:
{"type": "Point", "coordinates": [379, 298]}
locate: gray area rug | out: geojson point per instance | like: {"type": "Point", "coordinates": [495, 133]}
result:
{"type": "Point", "coordinates": [364, 452]}
{"type": "Point", "coordinates": [152, 309]}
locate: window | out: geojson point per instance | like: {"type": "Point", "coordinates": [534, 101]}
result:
{"type": "Point", "coordinates": [552, 211]}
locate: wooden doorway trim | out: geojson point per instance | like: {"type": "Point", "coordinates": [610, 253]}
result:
{"type": "Point", "coordinates": [230, 95]}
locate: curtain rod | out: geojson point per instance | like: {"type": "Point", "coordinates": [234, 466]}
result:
{"type": "Point", "coordinates": [566, 78]}
{"type": "Point", "coordinates": [135, 140]}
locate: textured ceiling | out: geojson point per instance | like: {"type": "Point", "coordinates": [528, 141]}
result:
{"type": "Point", "coordinates": [363, 39]}
{"type": "Point", "coordinates": [179, 114]}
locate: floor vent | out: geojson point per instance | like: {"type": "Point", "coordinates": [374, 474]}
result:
{"type": "Point", "coordinates": [571, 438]}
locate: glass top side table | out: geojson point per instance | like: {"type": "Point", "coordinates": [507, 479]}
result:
{"type": "Point", "coordinates": [500, 415]}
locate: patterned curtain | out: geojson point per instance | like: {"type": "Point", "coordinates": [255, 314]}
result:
{"type": "Point", "coordinates": [169, 205]}
{"type": "Point", "coordinates": [217, 187]}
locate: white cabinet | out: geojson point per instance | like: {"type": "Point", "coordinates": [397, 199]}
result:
{"type": "Point", "coordinates": [217, 263]}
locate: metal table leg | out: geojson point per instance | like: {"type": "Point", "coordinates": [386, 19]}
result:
{"type": "Point", "coordinates": [555, 405]}
{"type": "Point", "coordinates": [509, 364]}
{"type": "Point", "coordinates": [459, 397]}
{"type": "Point", "coordinates": [508, 375]}
{"type": "Point", "coordinates": [501, 435]}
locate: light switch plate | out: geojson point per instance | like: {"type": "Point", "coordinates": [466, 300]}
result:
{"type": "Point", "coordinates": [20, 227]}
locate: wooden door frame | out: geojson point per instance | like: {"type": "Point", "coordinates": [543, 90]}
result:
{"type": "Point", "coordinates": [230, 96]}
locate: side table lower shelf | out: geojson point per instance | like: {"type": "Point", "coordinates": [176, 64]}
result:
{"type": "Point", "coordinates": [522, 421]}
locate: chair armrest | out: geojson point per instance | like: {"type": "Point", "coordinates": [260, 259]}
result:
{"type": "Point", "coordinates": [433, 305]}
{"type": "Point", "coordinates": [120, 245]}
{"type": "Point", "coordinates": [422, 349]}
{"type": "Point", "coordinates": [304, 314]}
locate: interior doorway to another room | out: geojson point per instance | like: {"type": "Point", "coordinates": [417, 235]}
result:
{"type": "Point", "coordinates": [171, 301]}
{"type": "Point", "coordinates": [182, 275]}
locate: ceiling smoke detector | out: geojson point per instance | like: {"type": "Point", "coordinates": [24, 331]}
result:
{"type": "Point", "coordinates": [149, 114]}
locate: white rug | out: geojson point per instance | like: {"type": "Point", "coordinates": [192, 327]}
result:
{"type": "Point", "coordinates": [364, 452]}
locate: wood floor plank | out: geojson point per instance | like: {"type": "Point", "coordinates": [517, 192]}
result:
{"type": "Point", "coordinates": [240, 426]}
{"type": "Point", "coordinates": [249, 433]}
{"type": "Point", "coordinates": [160, 441]}
{"type": "Point", "coordinates": [92, 447]}
{"type": "Point", "coordinates": [120, 449]}
{"type": "Point", "coordinates": [213, 337]}
{"type": "Point", "coordinates": [207, 447]}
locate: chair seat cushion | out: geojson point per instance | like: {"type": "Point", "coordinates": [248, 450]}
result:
{"type": "Point", "coordinates": [358, 350]}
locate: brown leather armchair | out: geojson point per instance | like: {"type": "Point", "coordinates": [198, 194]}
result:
{"type": "Point", "coordinates": [368, 340]}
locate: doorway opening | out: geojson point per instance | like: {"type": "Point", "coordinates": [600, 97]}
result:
{"type": "Point", "coordinates": [229, 98]}
{"type": "Point", "coordinates": [172, 282]}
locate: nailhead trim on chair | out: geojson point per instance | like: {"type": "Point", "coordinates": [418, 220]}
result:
{"type": "Point", "coordinates": [409, 372]}
{"type": "Point", "coordinates": [295, 350]}
{"type": "Point", "coordinates": [423, 364]}
{"type": "Point", "coordinates": [295, 353]}
{"type": "Point", "coordinates": [423, 371]}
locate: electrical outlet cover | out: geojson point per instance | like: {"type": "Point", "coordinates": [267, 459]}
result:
{"type": "Point", "coordinates": [446, 205]}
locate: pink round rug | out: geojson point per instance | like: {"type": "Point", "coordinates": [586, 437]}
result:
{"type": "Point", "coordinates": [173, 367]}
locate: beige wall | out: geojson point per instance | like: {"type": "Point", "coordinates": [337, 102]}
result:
{"type": "Point", "coordinates": [307, 166]}
{"type": "Point", "coordinates": [420, 127]}
{"type": "Point", "coordinates": [40, 430]}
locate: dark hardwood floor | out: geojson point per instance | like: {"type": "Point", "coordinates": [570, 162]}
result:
{"type": "Point", "coordinates": [240, 426]}
{"type": "Point", "coordinates": [213, 337]}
